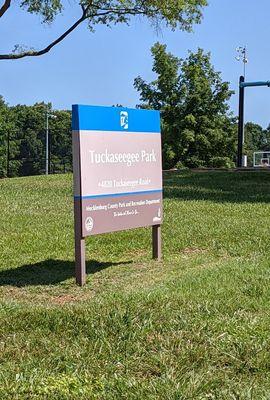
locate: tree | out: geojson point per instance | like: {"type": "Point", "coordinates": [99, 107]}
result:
{"type": "Point", "coordinates": [255, 140]}
{"type": "Point", "coordinates": [197, 128]}
{"type": "Point", "coordinates": [266, 140]}
{"type": "Point", "coordinates": [8, 146]}
{"type": "Point", "coordinates": [174, 13]}
{"type": "Point", "coordinates": [3, 137]}
{"type": "Point", "coordinates": [255, 137]}
{"type": "Point", "coordinates": [29, 122]}
{"type": "Point", "coordinates": [61, 142]}
{"type": "Point", "coordinates": [22, 140]}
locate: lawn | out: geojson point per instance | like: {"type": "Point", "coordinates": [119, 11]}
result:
{"type": "Point", "coordinates": [194, 326]}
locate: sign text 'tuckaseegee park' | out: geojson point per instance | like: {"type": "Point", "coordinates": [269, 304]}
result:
{"type": "Point", "coordinates": [117, 169]}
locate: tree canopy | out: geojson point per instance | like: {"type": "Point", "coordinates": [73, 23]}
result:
{"type": "Point", "coordinates": [173, 13]}
{"type": "Point", "coordinates": [197, 127]}
{"type": "Point", "coordinates": [22, 140]}
{"type": "Point", "coordinates": [256, 139]}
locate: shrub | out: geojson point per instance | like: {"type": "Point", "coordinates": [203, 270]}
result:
{"type": "Point", "coordinates": [221, 162]}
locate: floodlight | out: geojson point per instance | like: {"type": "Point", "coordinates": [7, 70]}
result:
{"type": "Point", "coordinates": [242, 56]}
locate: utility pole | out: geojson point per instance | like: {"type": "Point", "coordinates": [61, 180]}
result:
{"type": "Point", "coordinates": [47, 142]}
{"type": "Point", "coordinates": [241, 122]}
{"type": "Point", "coordinates": [8, 153]}
{"type": "Point", "coordinates": [49, 114]}
{"type": "Point", "coordinates": [242, 56]}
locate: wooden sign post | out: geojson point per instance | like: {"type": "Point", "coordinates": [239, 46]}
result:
{"type": "Point", "coordinates": [117, 168]}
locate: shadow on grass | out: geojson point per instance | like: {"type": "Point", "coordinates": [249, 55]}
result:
{"type": "Point", "coordinates": [48, 272]}
{"type": "Point", "coordinates": [218, 186]}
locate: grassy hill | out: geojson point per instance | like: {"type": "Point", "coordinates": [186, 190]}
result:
{"type": "Point", "coordinates": [195, 326]}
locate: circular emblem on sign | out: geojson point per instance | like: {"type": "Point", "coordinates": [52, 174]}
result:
{"type": "Point", "coordinates": [89, 224]}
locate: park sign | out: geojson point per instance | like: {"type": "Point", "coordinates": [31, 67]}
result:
{"type": "Point", "coordinates": [117, 168]}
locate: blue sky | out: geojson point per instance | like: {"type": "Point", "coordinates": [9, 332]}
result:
{"type": "Point", "coordinates": [99, 68]}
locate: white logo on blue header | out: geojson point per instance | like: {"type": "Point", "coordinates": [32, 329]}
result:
{"type": "Point", "coordinates": [124, 119]}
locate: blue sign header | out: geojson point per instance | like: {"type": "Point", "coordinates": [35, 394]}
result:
{"type": "Point", "coordinates": [95, 118]}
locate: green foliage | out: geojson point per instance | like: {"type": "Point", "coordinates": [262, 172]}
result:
{"type": "Point", "coordinates": [256, 139]}
{"type": "Point", "coordinates": [221, 162]}
{"type": "Point", "coordinates": [193, 100]}
{"type": "Point", "coordinates": [174, 13]}
{"type": "Point", "coordinates": [61, 142]}
{"type": "Point", "coordinates": [193, 327]}
{"type": "Point", "coordinates": [47, 9]}
{"type": "Point", "coordinates": [7, 128]}
{"type": "Point", "coordinates": [23, 129]}
{"type": "Point", "coordinates": [3, 128]}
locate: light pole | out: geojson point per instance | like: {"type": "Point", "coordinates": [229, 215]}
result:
{"type": "Point", "coordinates": [241, 56]}
{"type": "Point", "coordinates": [8, 152]}
{"type": "Point", "coordinates": [48, 115]}
{"type": "Point", "coordinates": [241, 122]}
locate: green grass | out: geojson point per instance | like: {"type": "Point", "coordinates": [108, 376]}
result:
{"type": "Point", "coordinates": [194, 326]}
